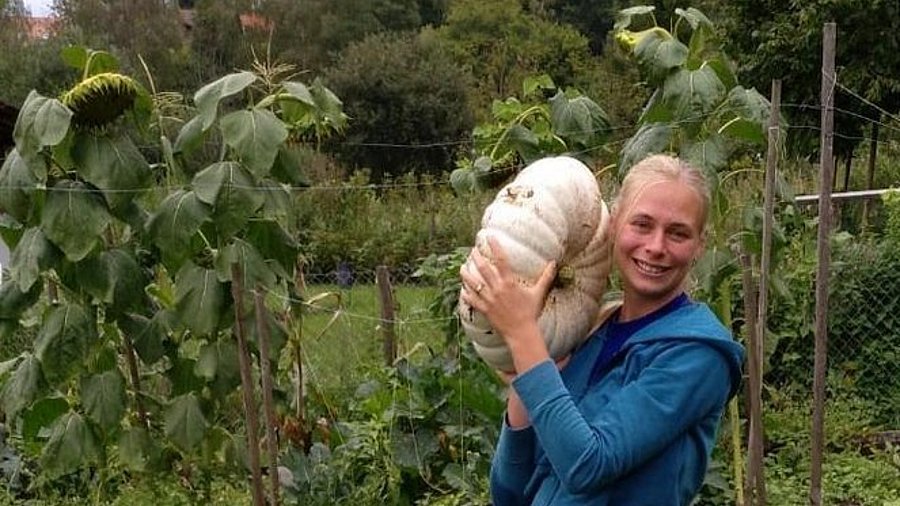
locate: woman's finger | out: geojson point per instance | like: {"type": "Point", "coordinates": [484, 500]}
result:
{"type": "Point", "coordinates": [485, 268]}
{"type": "Point", "coordinates": [545, 281]}
{"type": "Point", "coordinates": [471, 277]}
{"type": "Point", "coordinates": [498, 254]}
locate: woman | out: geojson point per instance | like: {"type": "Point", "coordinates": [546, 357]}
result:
{"type": "Point", "coordinates": [630, 417]}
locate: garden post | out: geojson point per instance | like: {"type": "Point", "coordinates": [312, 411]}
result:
{"type": "Point", "coordinates": [250, 409]}
{"type": "Point", "coordinates": [386, 298]}
{"type": "Point", "coordinates": [829, 85]}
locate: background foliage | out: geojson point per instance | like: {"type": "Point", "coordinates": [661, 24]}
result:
{"type": "Point", "coordinates": [421, 87]}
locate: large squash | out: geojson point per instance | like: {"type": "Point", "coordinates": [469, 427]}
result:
{"type": "Point", "coordinates": [551, 211]}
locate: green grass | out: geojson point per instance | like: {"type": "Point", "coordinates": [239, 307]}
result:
{"type": "Point", "coordinates": [343, 340]}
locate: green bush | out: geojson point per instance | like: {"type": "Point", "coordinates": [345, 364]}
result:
{"type": "Point", "coordinates": [407, 105]}
{"type": "Point", "coordinates": [396, 225]}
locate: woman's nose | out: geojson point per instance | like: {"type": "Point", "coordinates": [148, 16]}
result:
{"type": "Point", "coordinates": [655, 242]}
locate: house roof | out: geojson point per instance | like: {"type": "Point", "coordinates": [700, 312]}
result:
{"type": "Point", "coordinates": [248, 20]}
{"type": "Point", "coordinates": [41, 27]}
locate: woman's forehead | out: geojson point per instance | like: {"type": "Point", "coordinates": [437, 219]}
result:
{"type": "Point", "coordinates": [669, 199]}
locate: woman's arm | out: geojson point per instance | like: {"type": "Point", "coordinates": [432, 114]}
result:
{"type": "Point", "coordinates": [684, 382]}
{"type": "Point", "coordinates": [512, 466]}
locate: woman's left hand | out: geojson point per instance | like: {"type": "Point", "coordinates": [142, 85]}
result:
{"type": "Point", "coordinates": [492, 288]}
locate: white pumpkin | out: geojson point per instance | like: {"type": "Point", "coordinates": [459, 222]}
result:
{"type": "Point", "coordinates": [551, 211]}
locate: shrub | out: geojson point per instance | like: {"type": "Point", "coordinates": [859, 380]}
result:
{"type": "Point", "coordinates": [407, 105]}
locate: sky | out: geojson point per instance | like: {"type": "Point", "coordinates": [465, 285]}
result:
{"type": "Point", "coordinates": [39, 7]}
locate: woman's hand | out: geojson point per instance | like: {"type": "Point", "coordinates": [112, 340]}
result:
{"type": "Point", "coordinates": [511, 307]}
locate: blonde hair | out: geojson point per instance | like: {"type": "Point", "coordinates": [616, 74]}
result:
{"type": "Point", "coordinates": [663, 168]}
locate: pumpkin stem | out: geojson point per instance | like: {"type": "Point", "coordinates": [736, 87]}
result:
{"type": "Point", "coordinates": [565, 276]}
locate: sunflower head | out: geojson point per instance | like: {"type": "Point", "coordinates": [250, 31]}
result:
{"type": "Point", "coordinates": [100, 99]}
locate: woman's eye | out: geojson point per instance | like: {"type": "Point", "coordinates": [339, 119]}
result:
{"type": "Point", "coordinates": [680, 235]}
{"type": "Point", "coordinates": [641, 225]}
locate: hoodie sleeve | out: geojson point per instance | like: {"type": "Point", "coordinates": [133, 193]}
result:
{"type": "Point", "coordinates": [680, 383]}
{"type": "Point", "coordinates": [512, 466]}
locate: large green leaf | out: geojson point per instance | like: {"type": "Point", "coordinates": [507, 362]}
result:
{"type": "Point", "coordinates": [208, 97]}
{"type": "Point", "coordinates": [625, 16]}
{"type": "Point", "coordinates": [199, 299]}
{"type": "Point", "coordinates": [176, 221]}
{"type": "Point", "coordinates": [41, 415]}
{"type": "Point", "coordinates": [299, 92]}
{"type": "Point", "coordinates": [695, 18]}
{"type": "Point", "coordinates": [649, 139]}
{"type": "Point", "coordinates": [17, 186]}
{"type": "Point", "coordinates": [579, 120]}
{"type": "Point", "coordinates": [42, 122]}
{"type": "Point", "coordinates": [255, 136]}
{"type": "Point", "coordinates": [14, 301]}
{"type": "Point", "coordinates": [126, 279]}
{"type": "Point", "coordinates": [33, 254]}
{"type": "Point", "coordinates": [146, 334]}
{"type": "Point", "coordinates": [297, 104]}
{"type": "Point", "coordinates": [232, 193]}
{"type": "Point", "coordinates": [137, 450]}
{"type": "Point", "coordinates": [329, 108]}
{"type": "Point", "coordinates": [218, 364]}
{"type": "Point", "coordinates": [655, 110]}
{"type": "Point", "coordinates": [745, 115]}
{"type": "Point", "coordinates": [658, 53]}
{"type": "Point", "coordinates": [191, 136]}
{"type": "Point", "coordinates": [23, 387]}
{"type": "Point", "coordinates": [723, 69]}
{"type": "Point", "coordinates": [463, 180]}
{"type": "Point", "coordinates": [63, 340]}
{"type": "Point", "coordinates": [86, 277]}
{"type": "Point", "coordinates": [278, 204]}
{"type": "Point", "coordinates": [72, 445]}
{"type": "Point", "coordinates": [709, 154]}
{"type": "Point", "coordinates": [253, 266]}
{"type": "Point", "coordinates": [522, 140]}
{"type": "Point", "coordinates": [273, 243]}
{"type": "Point", "coordinates": [184, 422]}
{"type": "Point", "coordinates": [183, 378]}
{"type": "Point", "coordinates": [112, 164]}
{"type": "Point", "coordinates": [79, 57]}
{"type": "Point", "coordinates": [73, 218]}
{"type": "Point", "coordinates": [113, 277]}
{"type": "Point", "coordinates": [692, 94]}
{"type": "Point", "coordinates": [103, 397]}
{"type": "Point", "coordinates": [290, 164]}
{"type": "Point", "coordinates": [409, 450]}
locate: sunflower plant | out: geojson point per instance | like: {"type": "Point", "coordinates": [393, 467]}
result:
{"type": "Point", "coordinates": [125, 273]}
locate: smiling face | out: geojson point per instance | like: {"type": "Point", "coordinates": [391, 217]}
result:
{"type": "Point", "coordinates": [659, 233]}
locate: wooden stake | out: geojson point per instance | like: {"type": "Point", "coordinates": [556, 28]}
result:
{"type": "Point", "coordinates": [262, 334]}
{"type": "Point", "coordinates": [386, 298]}
{"type": "Point", "coordinates": [250, 409]}
{"type": "Point", "coordinates": [824, 259]}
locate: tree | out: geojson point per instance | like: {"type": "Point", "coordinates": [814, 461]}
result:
{"type": "Point", "coordinates": [25, 63]}
{"type": "Point", "coordinates": [502, 45]}
{"type": "Point", "coordinates": [401, 91]}
{"type": "Point", "coordinates": [786, 43]}
{"type": "Point", "coordinates": [217, 37]}
{"type": "Point", "coordinates": [151, 29]}
{"type": "Point", "coordinates": [312, 33]}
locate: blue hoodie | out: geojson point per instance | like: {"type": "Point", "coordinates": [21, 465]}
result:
{"type": "Point", "coordinates": [641, 434]}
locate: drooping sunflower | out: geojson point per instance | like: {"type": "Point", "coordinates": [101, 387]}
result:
{"type": "Point", "coordinates": [100, 99]}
